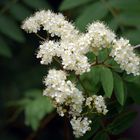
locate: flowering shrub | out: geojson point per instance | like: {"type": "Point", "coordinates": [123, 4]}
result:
{"type": "Point", "coordinates": [96, 56]}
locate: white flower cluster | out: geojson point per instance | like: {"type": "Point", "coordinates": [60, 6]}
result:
{"type": "Point", "coordinates": [98, 36]}
{"type": "Point", "coordinates": [71, 49]}
{"type": "Point", "coordinates": [55, 24]}
{"type": "Point", "coordinates": [63, 93]}
{"type": "Point", "coordinates": [123, 54]}
{"type": "Point", "coordinates": [47, 51]}
{"type": "Point", "coordinates": [80, 126]}
{"type": "Point", "coordinates": [69, 100]}
{"type": "Point", "coordinates": [72, 58]}
{"type": "Point", "coordinates": [97, 103]}
{"type": "Point", "coordinates": [73, 45]}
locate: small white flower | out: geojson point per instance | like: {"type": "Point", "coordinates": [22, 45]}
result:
{"type": "Point", "coordinates": [80, 126]}
{"type": "Point", "coordinates": [55, 24]}
{"type": "Point", "coordinates": [47, 51]}
{"type": "Point", "coordinates": [98, 36]}
{"type": "Point", "coordinates": [63, 93]}
{"type": "Point", "coordinates": [123, 54]}
{"type": "Point", "coordinates": [98, 103]}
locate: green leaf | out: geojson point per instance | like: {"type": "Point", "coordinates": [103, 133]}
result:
{"type": "Point", "coordinates": [113, 24]}
{"type": "Point", "coordinates": [118, 88]}
{"type": "Point", "coordinates": [107, 81]}
{"type": "Point", "coordinates": [101, 136]}
{"type": "Point", "coordinates": [36, 110]}
{"type": "Point", "coordinates": [121, 123]}
{"type": "Point", "coordinates": [19, 11]}
{"type": "Point", "coordinates": [132, 79]}
{"type": "Point", "coordinates": [10, 28]}
{"type": "Point", "coordinates": [68, 4]}
{"type": "Point", "coordinates": [36, 106]}
{"type": "Point", "coordinates": [91, 79]}
{"type": "Point", "coordinates": [129, 19]}
{"type": "Point", "coordinates": [103, 54]}
{"type": "Point", "coordinates": [95, 11]}
{"type": "Point", "coordinates": [125, 4]}
{"type": "Point", "coordinates": [4, 49]}
{"type": "Point", "coordinates": [39, 4]}
{"type": "Point", "coordinates": [134, 92]}
{"type": "Point", "coordinates": [133, 36]}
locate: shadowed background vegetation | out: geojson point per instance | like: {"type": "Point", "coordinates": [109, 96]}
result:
{"type": "Point", "coordinates": [25, 114]}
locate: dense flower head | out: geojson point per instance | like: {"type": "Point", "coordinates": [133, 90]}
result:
{"type": "Point", "coordinates": [123, 54]}
{"type": "Point", "coordinates": [80, 126]}
{"type": "Point", "coordinates": [97, 103]}
{"type": "Point", "coordinates": [63, 93]}
{"type": "Point", "coordinates": [100, 35]}
{"type": "Point", "coordinates": [47, 50]}
{"type": "Point", "coordinates": [55, 24]}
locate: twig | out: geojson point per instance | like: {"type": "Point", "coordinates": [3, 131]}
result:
{"type": "Point", "coordinates": [137, 46]}
{"type": "Point", "coordinates": [40, 36]}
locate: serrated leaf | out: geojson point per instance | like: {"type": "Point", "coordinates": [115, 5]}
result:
{"type": "Point", "coordinates": [118, 88]}
{"type": "Point", "coordinates": [121, 123]}
{"type": "Point", "coordinates": [19, 11]}
{"type": "Point", "coordinates": [107, 80]}
{"type": "Point", "coordinates": [36, 106]}
{"type": "Point", "coordinates": [68, 4]}
{"type": "Point", "coordinates": [36, 110]}
{"type": "Point", "coordinates": [4, 49]}
{"type": "Point", "coordinates": [39, 4]}
{"type": "Point", "coordinates": [11, 29]}
{"type": "Point", "coordinates": [90, 13]}
{"type": "Point", "coordinates": [101, 135]}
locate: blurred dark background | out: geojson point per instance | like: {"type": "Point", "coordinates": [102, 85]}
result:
{"type": "Point", "coordinates": [21, 73]}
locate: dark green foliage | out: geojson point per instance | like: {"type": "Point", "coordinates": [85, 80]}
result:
{"type": "Point", "coordinates": [107, 81]}
{"type": "Point", "coordinates": [121, 123]}
{"type": "Point", "coordinates": [10, 28]}
{"type": "Point", "coordinates": [91, 79]}
{"type": "Point", "coordinates": [119, 88]}
{"type": "Point", "coordinates": [68, 4]}
{"type": "Point", "coordinates": [101, 136]}
{"type": "Point", "coordinates": [91, 13]}
{"type": "Point", "coordinates": [4, 49]}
